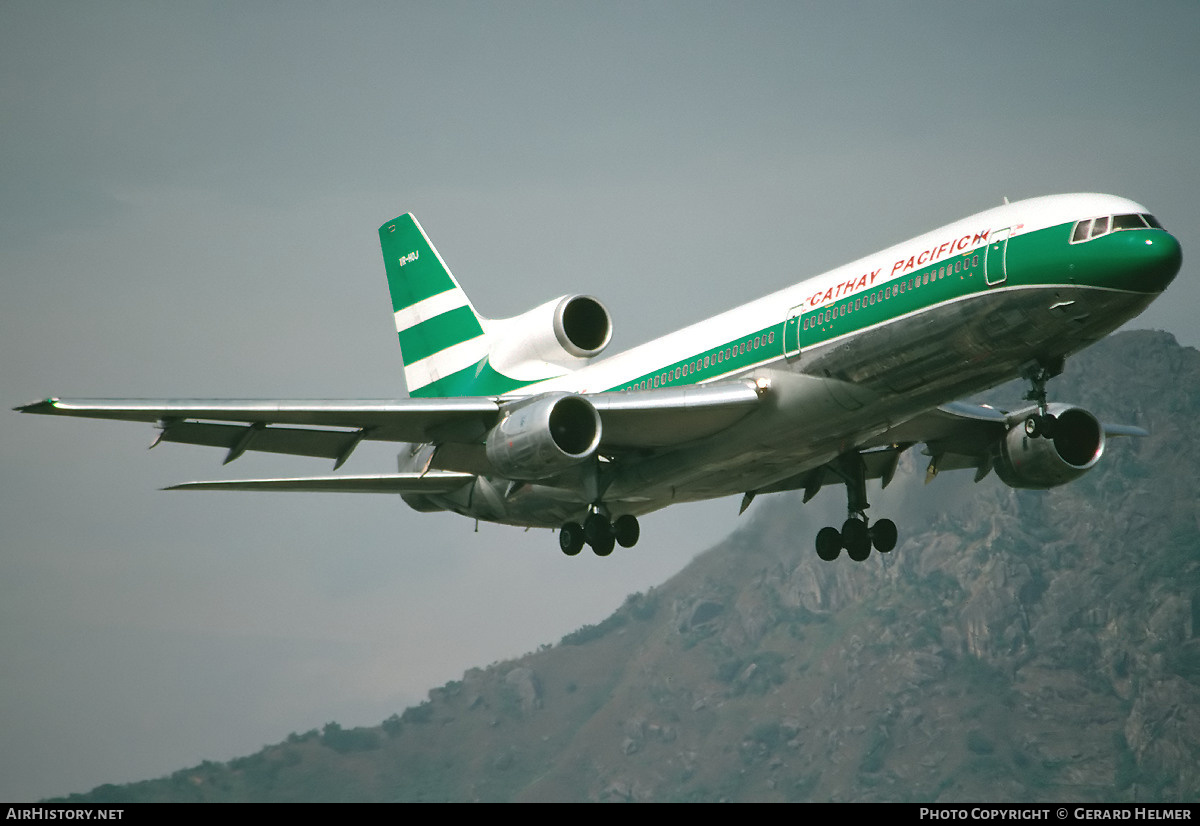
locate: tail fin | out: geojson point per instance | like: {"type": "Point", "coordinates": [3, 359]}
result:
{"type": "Point", "coordinates": [440, 333]}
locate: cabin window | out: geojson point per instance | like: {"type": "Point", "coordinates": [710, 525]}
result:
{"type": "Point", "coordinates": [975, 261]}
{"type": "Point", "coordinates": [771, 338]}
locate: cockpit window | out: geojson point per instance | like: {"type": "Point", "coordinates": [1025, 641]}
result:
{"type": "Point", "coordinates": [1128, 222]}
{"type": "Point", "coordinates": [1095, 227]}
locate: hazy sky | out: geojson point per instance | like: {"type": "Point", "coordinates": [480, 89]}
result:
{"type": "Point", "coordinates": [189, 199]}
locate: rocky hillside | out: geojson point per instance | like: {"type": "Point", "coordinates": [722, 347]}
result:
{"type": "Point", "coordinates": [1016, 646]}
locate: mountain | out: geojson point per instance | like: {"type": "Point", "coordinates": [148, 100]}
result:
{"type": "Point", "coordinates": [1016, 646]}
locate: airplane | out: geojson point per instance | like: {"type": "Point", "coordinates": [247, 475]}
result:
{"type": "Point", "coordinates": [517, 420]}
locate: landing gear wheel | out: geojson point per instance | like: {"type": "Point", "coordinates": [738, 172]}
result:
{"type": "Point", "coordinates": [604, 546]}
{"type": "Point", "coordinates": [598, 532]}
{"type": "Point", "coordinates": [1038, 425]}
{"type": "Point", "coordinates": [626, 530]}
{"type": "Point", "coordinates": [883, 535]}
{"type": "Point", "coordinates": [829, 544]}
{"type": "Point", "coordinates": [857, 539]}
{"type": "Point", "coordinates": [570, 538]}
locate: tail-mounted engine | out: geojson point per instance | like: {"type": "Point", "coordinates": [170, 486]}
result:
{"type": "Point", "coordinates": [559, 335]}
{"type": "Point", "coordinates": [1046, 451]}
{"type": "Point", "coordinates": [543, 436]}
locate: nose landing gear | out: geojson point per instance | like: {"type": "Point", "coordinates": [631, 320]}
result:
{"type": "Point", "coordinates": [1038, 373]}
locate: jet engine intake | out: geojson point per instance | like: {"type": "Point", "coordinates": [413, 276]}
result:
{"type": "Point", "coordinates": [1073, 447]}
{"type": "Point", "coordinates": [562, 333]}
{"type": "Point", "coordinates": [544, 436]}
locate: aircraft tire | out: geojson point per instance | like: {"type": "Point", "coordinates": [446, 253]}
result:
{"type": "Point", "coordinates": [829, 544]}
{"type": "Point", "coordinates": [883, 535]}
{"type": "Point", "coordinates": [1043, 426]}
{"type": "Point", "coordinates": [857, 539]}
{"type": "Point", "coordinates": [596, 528]}
{"type": "Point", "coordinates": [604, 545]}
{"type": "Point", "coordinates": [570, 538]}
{"type": "Point", "coordinates": [627, 530]}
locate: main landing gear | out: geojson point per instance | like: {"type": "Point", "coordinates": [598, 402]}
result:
{"type": "Point", "coordinates": [600, 533]}
{"type": "Point", "coordinates": [1042, 423]}
{"type": "Point", "coordinates": [857, 535]}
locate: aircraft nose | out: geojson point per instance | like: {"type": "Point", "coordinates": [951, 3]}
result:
{"type": "Point", "coordinates": [1144, 261]}
{"type": "Point", "coordinates": [1159, 259]}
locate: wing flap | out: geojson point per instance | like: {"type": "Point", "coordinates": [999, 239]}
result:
{"type": "Point", "coordinates": [294, 441]}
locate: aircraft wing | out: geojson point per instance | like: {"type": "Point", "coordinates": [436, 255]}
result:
{"type": "Point", "coordinates": [960, 435]}
{"type": "Point", "coordinates": [433, 481]}
{"type": "Point", "coordinates": [957, 436]}
{"type": "Point", "coordinates": [332, 429]}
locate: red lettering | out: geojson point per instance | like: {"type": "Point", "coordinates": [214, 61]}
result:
{"type": "Point", "coordinates": [910, 263]}
{"type": "Point", "coordinates": [942, 249]}
{"type": "Point", "coordinates": [874, 275]}
{"type": "Point", "coordinates": [897, 266]}
{"type": "Point", "coordinates": [862, 282]}
{"type": "Point", "coordinates": [980, 236]}
{"type": "Point", "coordinates": [828, 295]}
{"type": "Point", "coordinates": [962, 242]}
{"type": "Point", "coordinates": [922, 258]}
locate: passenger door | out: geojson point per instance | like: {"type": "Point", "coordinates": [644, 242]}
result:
{"type": "Point", "coordinates": [791, 333]}
{"type": "Point", "coordinates": [995, 258]}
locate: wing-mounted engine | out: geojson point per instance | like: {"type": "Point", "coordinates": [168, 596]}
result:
{"type": "Point", "coordinates": [543, 436]}
{"type": "Point", "coordinates": [550, 340]}
{"type": "Point", "coordinates": [1039, 457]}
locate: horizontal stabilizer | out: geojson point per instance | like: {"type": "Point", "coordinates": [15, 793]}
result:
{"type": "Point", "coordinates": [435, 481]}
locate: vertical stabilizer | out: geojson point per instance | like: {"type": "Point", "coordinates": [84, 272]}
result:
{"type": "Point", "coordinates": [440, 333]}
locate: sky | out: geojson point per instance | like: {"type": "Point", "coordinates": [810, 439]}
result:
{"type": "Point", "coordinates": [189, 199]}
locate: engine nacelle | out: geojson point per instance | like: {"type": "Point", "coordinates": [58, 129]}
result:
{"type": "Point", "coordinates": [544, 436]}
{"type": "Point", "coordinates": [1074, 447]}
{"type": "Point", "coordinates": [562, 333]}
